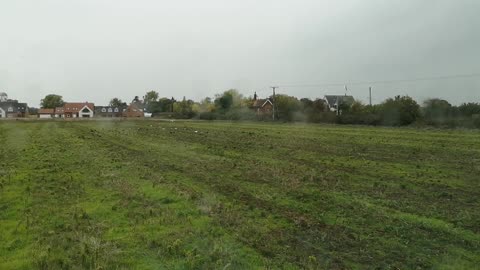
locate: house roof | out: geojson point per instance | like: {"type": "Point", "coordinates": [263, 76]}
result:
{"type": "Point", "coordinates": [99, 109]}
{"type": "Point", "coordinates": [136, 105]}
{"type": "Point", "coordinates": [59, 110]}
{"type": "Point", "coordinates": [260, 103]}
{"type": "Point", "coordinates": [76, 107]}
{"type": "Point", "coordinates": [13, 106]}
{"type": "Point", "coordinates": [332, 100]}
{"type": "Point", "coordinates": [46, 111]}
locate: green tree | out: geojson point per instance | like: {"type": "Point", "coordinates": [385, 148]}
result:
{"type": "Point", "coordinates": [154, 107]}
{"type": "Point", "coordinates": [52, 101]}
{"type": "Point", "coordinates": [184, 108]}
{"type": "Point", "coordinates": [161, 106]}
{"type": "Point", "coordinates": [287, 107]}
{"type": "Point", "coordinates": [313, 109]}
{"type": "Point", "coordinates": [357, 107]}
{"type": "Point", "coordinates": [437, 110]}
{"type": "Point", "coordinates": [469, 109]}
{"type": "Point", "coordinates": [400, 111]}
{"type": "Point", "coordinates": [136, 99]}
{"type": "Point", "coordinates": [150, 96]}
{"type": "Point", "coordinates": [116, 102]}
{"type": "Point", "coordinates": [206, 105]}
{"type": "Point", "coordinates": [230, 99]}
{"type": "Point", "coordinates": [319, 105]}
{"type": "Point", "coordinates": [307, 105]}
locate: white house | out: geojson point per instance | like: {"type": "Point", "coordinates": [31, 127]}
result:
{"type": "Point", "coordinates": [86, 112]}
{"type": "Point", "coordinates": [2, 113]}
{"type": "Point", "coordinates": [334, 102]}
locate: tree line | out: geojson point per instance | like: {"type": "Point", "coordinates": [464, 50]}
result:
{"type": "Point", "coordinates": [396, 111]}
{"type": "Point", "coordinates": [232, 105]}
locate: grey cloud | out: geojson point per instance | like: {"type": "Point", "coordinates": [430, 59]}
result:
{"type": "Point", "coordinates": [96, 50]}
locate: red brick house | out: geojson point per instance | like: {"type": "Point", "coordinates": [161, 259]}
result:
{"type": "Point", "coordinates": [134, 110]}
{"type": "Point", "coordinates": [78, 110]}
{"type": "Point", "coordinates": [262, 107]}
{"type": "Point", "coordinates": [59, 111]}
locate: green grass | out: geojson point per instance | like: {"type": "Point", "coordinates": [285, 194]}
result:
{"type": "Point", "coordinates": [200, 195]}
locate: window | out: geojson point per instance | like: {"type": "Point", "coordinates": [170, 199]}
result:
{"type": "Point", "coordinates": [116, 109]}
{"type": "Point", "coordinates": [10, 109]}
{"type": "Point", "coordinates": [110, 110]}
{"type": "Point", "coordinates": [104, 110]}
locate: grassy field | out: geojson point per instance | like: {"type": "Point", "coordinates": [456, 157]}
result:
{"type": "Point", "coordinates": [199, 195]}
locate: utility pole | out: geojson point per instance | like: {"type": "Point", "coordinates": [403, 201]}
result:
{"type": "Point", "coordinates": [370, 95]}
{"type": "Point", "coordinates": [274, 103]}
{"type": "Point", "coordinates": [336, 105]}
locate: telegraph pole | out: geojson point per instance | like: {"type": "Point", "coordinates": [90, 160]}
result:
{"type": "Point", "coordinates": [274, 103]}
{"type": "Point", "coordinates": [370, 95]}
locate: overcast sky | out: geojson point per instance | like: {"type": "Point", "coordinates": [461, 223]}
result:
{"type": "Point", "coordinates": [93, 50]}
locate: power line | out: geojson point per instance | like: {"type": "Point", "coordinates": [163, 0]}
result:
{"type": "Point", "coordinates": [386, 81]}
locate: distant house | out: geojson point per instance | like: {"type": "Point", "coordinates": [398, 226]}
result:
{"type": "Point", "coordinates": [46, 113]}
{"type": "Point", "coordinates": [262, 107]}
{"type": "Point", "coordinates": [135, 110]}
{"type": "Point", "coordinates": [334, 102]}
{"type": "Point", "coordinates": [78, 110]}
{"type": "Point", "coordinates": [59, 112]}
{"type": "Point", "coordinates": [10, 108]}
{"type": "Point", "coordinates": [109, 112]}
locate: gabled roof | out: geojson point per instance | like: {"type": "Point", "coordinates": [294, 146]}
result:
{"type": "Point", "coordinates": [260, 103]}
{"type": "Point", "coordinates": [136, 105]}
{"type": "Point", "coordinates": [13, 106]}
{"type": "Point", "coordinates": [77, 107]}
{"type": "Point", "coordinates": [139, 105]}
{"type": "Point", "coordinates": [99, 109]}
{"type": "Point", "coordinates": [333, 100]}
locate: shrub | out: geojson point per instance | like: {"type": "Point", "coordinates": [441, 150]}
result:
{"type": "Point", "coordinates": [399, 111]}
{"type": "Point", "coordinates": [208, 116]}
